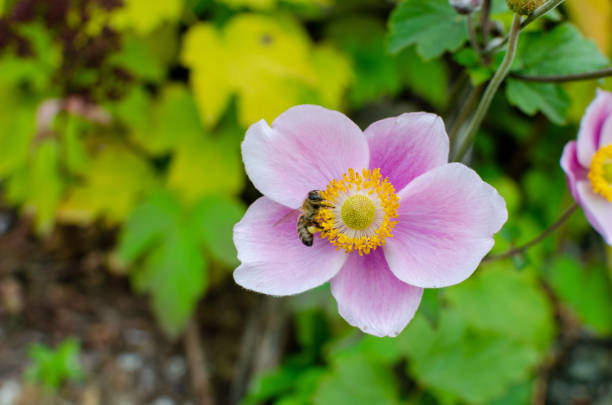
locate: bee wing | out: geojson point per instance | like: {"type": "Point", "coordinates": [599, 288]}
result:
{"type": "Point", "coordinates": [286, 216]}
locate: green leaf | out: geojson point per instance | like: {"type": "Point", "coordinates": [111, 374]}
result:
{"type": "Point", "coordinates": [477, 72]}
{"type": "Point", "coordinates": [476, 368]}
{"type": "Point", "coordinates": [18, 119]}
{"type": "Point", "coordinates": [561, 51]}
{"type": "Point", "coordinates": [520, 394]}
{"type": "Point", "coordinates": [376, 72]}
{"type": "Point", "coordinates": [264, 59]}
{"type": "Point", "coordinates": [39, 185]}
{"type": "Point", "coordinates": [130, 110]}
{"type": "Point", "coordinates": [516, 307]}
{"type": "Point", "coordinates": [427, 79]}
{"type": "Point", "coordinates": [356, 381]}
{"type": "Point", "coordinates": [175, 122]}
{"type": "Point", "coordinates": [289, 385]}
{"type": "Point", "coordinates": [51, 368]}
{"type": "Point", "coordinates": [166, 259]}
{"type": "Point", "coordinates": [585, 290]}
{"type": "Point", "coordinates": [433, 25]}
{"type": "Point", "coordinates": [334, 75]}
{"type": "Point", "coordinates": [138, 56]}
{"type": "Point", "coordinates": [38, 69]}
{"type": "Point", "coordinates": [75, 155]}
{"type": "Point", "coordinates": [175, 276]}
{"type": "Point", "coordinates": [533, 97]}
{"type": "Point", "coordinates": [206, 166]}
{"type": "Point", "coordinates": [213, 220]}
{"type": "Point", "coordinates": [113, 183]}
{"type": "Point", "coordinates": [144, 16]}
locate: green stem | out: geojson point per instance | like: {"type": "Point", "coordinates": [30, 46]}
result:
{"type": "Point", "coordinates": [540, 11]}
{"type": "Point", "coordinates": [485, 25]}
{"type": "Point", "coordinates": [565, 78]}
{"type": "Point", "coordinates": [517, 250]}
{"type": "Point", "coordinates": [474, 38]}
{"type": "Point", "coordinates": [464, 114]}
{"type": "Point", "coordinates": [489, 93]}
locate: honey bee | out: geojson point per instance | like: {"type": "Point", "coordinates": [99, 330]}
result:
{"type": "Point", "coordinates": [307, 224]}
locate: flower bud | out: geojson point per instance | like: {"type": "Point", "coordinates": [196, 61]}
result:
{"type": "Point", "coordinates": [466, 6]}
{"type": "Point", "coordinates": [524, 7]}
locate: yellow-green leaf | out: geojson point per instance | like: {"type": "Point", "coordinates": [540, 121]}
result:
{"type": "Point", "coordinates": [39, 185]}
{"type": "Point", "coordinates": [143, 16]}
{"type": "Point", "coordinates": [265, 60]}
{"type": "Point", "coordinates": [206, 166]}
{"type": "Point", "coordinates": [334, 75]}
{"type": "Point", "coordinates": [211, 84]}
{"type": "Point", "coordinates": [115, 180]}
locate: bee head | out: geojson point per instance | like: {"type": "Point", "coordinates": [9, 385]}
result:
{"type": "Point", "coordinates": [315, 195]}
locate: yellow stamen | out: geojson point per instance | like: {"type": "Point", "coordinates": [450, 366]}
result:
{"type": "Point", "coordinates": [600, 173]}
{"type": "Point", "coordinates": [367, 200]}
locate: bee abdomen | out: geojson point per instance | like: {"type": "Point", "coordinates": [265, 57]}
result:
{"type": "Point", "coordinates": [302, 229]}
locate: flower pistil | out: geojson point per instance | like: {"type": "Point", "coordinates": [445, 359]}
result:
{"type": "Point", "coordinates": [360, 212]}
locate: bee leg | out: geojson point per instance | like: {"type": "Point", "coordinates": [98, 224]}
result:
{"type": "Point", "coordinates": [314, 229]}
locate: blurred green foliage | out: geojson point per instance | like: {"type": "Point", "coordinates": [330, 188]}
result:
{"type": "Point", "coordinates": [129, 115]}
{"type": "Point", "coordinates": [52, 367]}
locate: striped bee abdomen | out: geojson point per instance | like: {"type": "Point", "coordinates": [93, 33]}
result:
{"type": "Point", "coordinates": [302, 229]}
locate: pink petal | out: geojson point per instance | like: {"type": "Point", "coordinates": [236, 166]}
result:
{"type": "Point", "coordinates": [590, 128]}
{"type": "Point", "coordinates": [572, 168]}
{"type": "Point", "coordinates": [597, 209]}
{"type": "Point", "coordinates": [274, 260]}
{"type": "Point", "coordinates": [447, 219]}
{"type": "Point", "coordinates": [407, 146]}
{"type": "Point", "coordinates": [371, 298]}
{"type": "Point", "coordinates": [306, 147]}
{"type": "Point", "coordinates": [606, 132]}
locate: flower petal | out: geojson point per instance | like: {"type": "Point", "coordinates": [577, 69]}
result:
{"type": "Point", "coordinates": [371, 298]}
{"type": "Point", "coordinates": [447, 218]}
{"type": "Point", "coordinates": [605, 137]}
{"type": "Point", "coordinates": [597, 209]}
{"type": "Point", "coordinates": [407, 146]}
{"type": "Point", "coordinates": [274, 260]}
{"type": "Point", "coordinates": [590, 128]}
{"type": "Point", "coordinates": [306, 147]}
{"type": "Point", "coordinates": [572, 168]}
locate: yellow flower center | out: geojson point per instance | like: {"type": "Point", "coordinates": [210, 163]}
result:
{"type": "Point", "coordinates": [600, 173]}
{"type": "Point", "coordinates": [359, 211]}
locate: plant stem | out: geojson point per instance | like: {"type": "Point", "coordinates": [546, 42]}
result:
{"type": "Point", "coordinates": [464, 114]}
{"type": "Point", "coordinates": [540, 11]}
{"type": "Point", "coordinates": [489, 93]}
{"type": "Point", "coordinates": [485, 22]}
{"type": "Point", "coordinates": [566, 78]}
{"type": "Point", "coordinates": [474, 38]}
{"type": "Point", "coordinates": [537, 239]}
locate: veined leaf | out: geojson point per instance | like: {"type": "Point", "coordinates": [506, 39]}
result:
{"type": "Point", "coordinates": [433, 25]}
{"type": "Point", "coordinates": [158, 243]}
{"type": "Point", "coordinates": [561, 51]}
{"type": "Point", "coordinates": [113, 183]}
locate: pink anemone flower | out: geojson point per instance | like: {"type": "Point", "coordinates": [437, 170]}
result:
{"type": "Point", "coordinates": [396, 218]}
{"type": "Point", "coordinates": [587, 163]}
